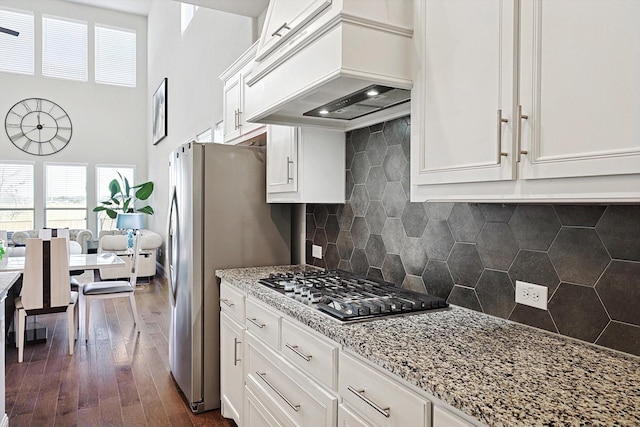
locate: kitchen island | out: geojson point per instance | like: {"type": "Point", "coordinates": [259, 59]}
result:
{"type": "Point", "coordinates": [7, 280]}
{"type": "Point", "coordinates": [496, 372]}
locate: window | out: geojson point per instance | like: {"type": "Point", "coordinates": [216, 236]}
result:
{"type": "Point", "coordinates": [104, 175]}
{"type": "Point", "coordinates": [115, 56]}
{"type": "Point", "coordinates": [17, 53]}
{"type": "Point", "coordinates": [16, 196]}
{"type": "Point", "coordinates": [64, 49]}
{"type": "Point", "coordinates": [65, 196]}
{"type": "Point", "coordinates": [186, 15]}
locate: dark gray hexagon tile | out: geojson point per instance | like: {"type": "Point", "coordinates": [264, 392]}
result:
{"type": "Point", "coordinates": [310, 226]}
{"type": "Point", "coordinates": [535, 267]}
{"type": "Point", "coordinates": [414, 283]}
{"type": "Point", "coordinates": [359, 232]}
{"type": "Point", "coordinates": [394, 131]}
{"type": "Point", "coordinates": [345, 244]}
{"type": "Point", "coordinates": [496, 293]}
{"type": "Point", "coordinates": [320, 238]}
{"type": "Point", "coordinates": [375, 217]}
{"type": "Point", "coordinates": [437, 279]}
{"type": "Point", "coordinates": [465, 222]}
{"type": "Point", "coordinates": [414, 218]}
{"type": "Point", "coordinates": [376, 149]}
{"type": "Point", "coordinates": [359, 200]}
{"type": "Point", "coordinates": [619, 289]}
{"type": "Point", "coordinates": [621, 337]}
{"type": "Point", "coordinates": [406, 181]}
{"type": "Point", "coordinates": [375, 250]}
{"type": "Point", "coordinates": [375, 273]}
{"type": "Point", "coordinates": [348, 185]}
{"type": "Point", "coordinates": [349, 153]}
{"type": "Point", "coordinates": [394, 199]}
{"type": "Point", "coordinates": [438, 210]}
{"type": "Point", "coordinates": [578, 255]}
{"type": "Point", "coordinates": [465, 264]}
{"type": "Point", "coordinates": [332, 209]}
{"type": "Point", "coordinates": [437, 239]}
{"type": "Point", "coordinates": [332, 228]}
{"type": "Point", "coordinates": [414, 257]}
{"type": "Point", "coordinates": [376, 128]}
{"type": "Point", "coordinates": [578, 312]}
{"type": "Point", "coordinates": [579, 215]}
{"type": "Point", "coordinates": [619, 229]}
{"type": "Point", "coordinates": [393, 270]}
{"type": "Point", "coordinates": [345, 216]}
{"type": "Point", "coordinates": [406, 144]}
{"type": "Point", "coordinates": [360, 168]}
{"type": "Point", "coordinates": [310, 207]}
{"type": "Point", "coordinates": [532, 316]}
{"type": "Point", "coordinates": [394, 163]}
{"type": "Point", "coordinates": [319, 263]}
{"type": "Point", "coordinates": [331, 256]}
{"type": "Point", "coordinates": [464, 297]}
{"type": "Point", "coordinates": [308, 259]}
{"type": "Point", "coordinates": [359, 138]}
{"type": "Point", "coordinates": [376, 182]}
{"type": "Point", "coordinates": [393, 235]}
{"type": "Point", "coordinates": [497, 212]}
{"type": "Point", "coordinates": [320, 214]}
{"type": "Point", "coordinates": [534, 226]}
{"type": "Point", "coordinates": [359, 262]}
{"type": "Point", "coordinates": [345, 265]}
{"type": "Point", "coordinates": [496, 246]}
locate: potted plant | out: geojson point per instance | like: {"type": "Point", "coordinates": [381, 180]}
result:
{"type": "Point", "coordinates": [124, 197]}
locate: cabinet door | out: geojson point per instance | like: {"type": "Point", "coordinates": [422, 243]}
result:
{"type": "Point", "coordinates": [282, 159]}
{"type": "Point", "coordinates": [246, 126]}
{"type": "Point", "coordinates": [465, 83]}
{"type": "Point", "coordinates": [580, 88]}
{"type": "Point", "coordinates": [284, 18]}
{"type": "Point", "coordinates": [231, 368]}
{"type": "Point", "coordinates": [231, 106]}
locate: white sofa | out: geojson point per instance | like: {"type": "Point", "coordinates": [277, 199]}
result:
{"type": "Point", "coordinates": [115, 241]}
{"type": "Point", "coordinates": [78, 239]}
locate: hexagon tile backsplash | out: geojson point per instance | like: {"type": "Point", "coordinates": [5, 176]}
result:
{"type": "Point", "coordinates": [472, 254]}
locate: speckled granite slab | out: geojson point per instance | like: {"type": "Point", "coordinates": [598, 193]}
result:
{"type": "Point", "coordinates": [499, 372]}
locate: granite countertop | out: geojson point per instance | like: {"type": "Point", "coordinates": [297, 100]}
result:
{"type": "Point", "coordinates": [499, 372]}
{"type": "Point", "coordinates": [7, 279]}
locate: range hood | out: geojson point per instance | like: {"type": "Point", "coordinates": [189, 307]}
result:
{"type": "Point", "coordinates": [347, 67]}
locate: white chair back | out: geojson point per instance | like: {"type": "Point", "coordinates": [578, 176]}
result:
{"type": "Point", "coordinates": [48, 233]}
{"type": "Point", "coordinates": [45, 282]}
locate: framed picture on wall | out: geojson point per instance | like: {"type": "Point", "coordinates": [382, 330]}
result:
{"type": "Point", "coordinates": [160, 112]}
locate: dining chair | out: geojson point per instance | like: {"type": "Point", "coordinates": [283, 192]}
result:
{"type": "Point", "coordinates": [48, 233]}
{"type": "Point", "coordinates": [45, 287]}
{"type": "Point", "coordinates": [114, 289]}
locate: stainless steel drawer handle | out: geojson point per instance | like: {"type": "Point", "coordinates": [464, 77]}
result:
{"type": "Point", "coordinates": [360, 394]}
{"type": "Point", "coordinates": [263, 375]}
{"type": "Point", "coordinates": [289, 163]}
{"type": "Point", "coordinates": [226, 302]}
{"type": "Point", "coordinates": [281, 27]}
{"type": "Point", "coordinates": [255, 322]}
{"type": "Point", "coordinates": [501, 120]}
{"type": "Point", "coordinates": [519, 141]}
{"type": "Point", "coordinates": [294, 348]}
{"type": "Point", "coordinates": [235, 351]}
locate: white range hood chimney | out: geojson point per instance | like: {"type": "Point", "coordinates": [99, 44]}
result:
{"type": "Point", "coordinates": [341, 64]}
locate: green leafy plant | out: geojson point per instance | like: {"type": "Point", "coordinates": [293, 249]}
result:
{"type": "Point", "coordinates": [124, 197]}
{"type": "Point", "coordinates": [2, 250]}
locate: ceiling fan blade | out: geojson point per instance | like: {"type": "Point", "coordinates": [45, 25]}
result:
{"type": "Point", "coordinates": [8, 31]}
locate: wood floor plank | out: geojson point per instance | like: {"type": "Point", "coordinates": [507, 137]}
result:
{"type": "Point", "coordinates": [133, 416]}
{"type": "Point", "coordinates": [110, 412]}
{"type": "Point", "coordinates": [90, 416]}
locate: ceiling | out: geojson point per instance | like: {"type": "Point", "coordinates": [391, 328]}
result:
{"type": "Point", "coordinates": [251, 8]}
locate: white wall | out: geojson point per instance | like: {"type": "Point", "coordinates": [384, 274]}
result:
{"type": "Point", "coordinates": [109, 122]}
{"type": "Point", "coordinates": [192, 63]}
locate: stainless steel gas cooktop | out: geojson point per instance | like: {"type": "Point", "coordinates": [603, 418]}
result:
{"type": "Point", "coordinates": [348, 297]}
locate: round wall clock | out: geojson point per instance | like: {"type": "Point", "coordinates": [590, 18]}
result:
{"type": "Point", "coordinates": [38, 126]}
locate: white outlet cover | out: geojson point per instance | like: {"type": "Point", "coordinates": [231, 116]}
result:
{"type": "Point", "coordinates": [531, 294]}
{"type": "Point", "coordinates": [316, 251]}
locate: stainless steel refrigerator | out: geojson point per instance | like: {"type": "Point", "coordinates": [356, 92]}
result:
{"type": "Point", "coordinates": [218, 218]}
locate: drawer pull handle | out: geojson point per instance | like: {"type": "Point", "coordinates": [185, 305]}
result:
{"type": "Point", "coordinates": [263, 375]}
{"type": "Point", "coordinates": [501, 120]}
{"type": "Point", "coordinates": [519, 141]}
{"type": "Point", "coordinates": [294, 348]}
{"type": "Point", "coordinates": [255, 322]}
{"type": "Point", "coordinates": [235, 351]}
{"type": "Point", "coordinates": [282, 27]}
{"type": "Point", "coordinates": [227, 302]}
{"type": "Point", "coordinates": [360, 394]}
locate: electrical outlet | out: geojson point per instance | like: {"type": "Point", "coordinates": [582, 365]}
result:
{"type": "Point", "coordinates": [316, 251]}
{"type": "Point", "coordinates": [531, 294]}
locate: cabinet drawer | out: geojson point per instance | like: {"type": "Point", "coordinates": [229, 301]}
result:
{"type": "Point", "coordinates": [378, 397]}
{"type": "Point", "coordinates": [444, 418]}
{"type": "Point", "coordinates": [348, 418]}
{"type": "Point", "coordinates": [263, 322]}
{"type": "Point", "coordinates": [256, 414]}
{"type": "Point", "coordinates": [311, 353]}
{"type": "Point", "coordinates": [282, 386]}
{"type": "Point", "coordinates": [232, 302]}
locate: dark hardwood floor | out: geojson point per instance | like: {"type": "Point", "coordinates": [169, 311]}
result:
{"type": "Point", "coordinates": [119, 378]}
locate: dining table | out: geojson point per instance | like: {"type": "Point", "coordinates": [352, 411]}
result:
{"type": "Point", "coordinates": [76, 262]}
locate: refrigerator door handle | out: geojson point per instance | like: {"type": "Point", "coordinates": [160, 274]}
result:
{"type": "Point", "coordinates": [173, 227]}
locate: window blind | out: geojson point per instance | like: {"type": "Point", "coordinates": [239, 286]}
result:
{"type": "Point", "coordinates": [17, 53]}
{"type": "Point", "coordinates": [66, 186]}
{"type": "Point", "coordinates": [64, 49]}
{"type": "Point", "coordinates": [115, 56]}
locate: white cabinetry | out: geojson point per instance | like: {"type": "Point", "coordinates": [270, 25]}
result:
{"type": "Point", "coordinates": [305, 165]}
{"type": "Point", "coordinates": [526, 101]}
{"type": "Point", "coordinates": [444, 418]}
{"type": "Point", "coordinates": [232, 353]}
{"type": "Point", "coordinates": [236, 128]}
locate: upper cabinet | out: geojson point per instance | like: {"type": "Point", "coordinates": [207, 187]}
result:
{"type": "Point", "coordinates": [236, 128]}
{"type": "Point", "coordinates": [526, 101]}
